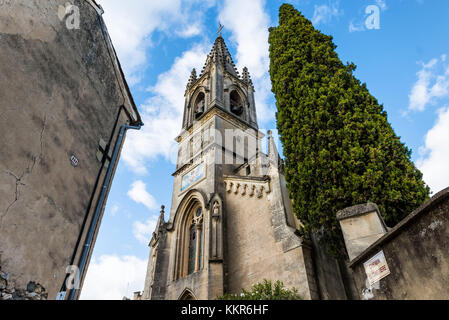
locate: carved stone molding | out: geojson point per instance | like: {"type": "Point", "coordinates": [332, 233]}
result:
{"type": "Point", "coordinates": [216, 229]}
{"type": "Point", "coordinates": [247, 186]}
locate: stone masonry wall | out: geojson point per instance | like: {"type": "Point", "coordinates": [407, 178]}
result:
{"type": "Point", "coordinates": [33, 291]}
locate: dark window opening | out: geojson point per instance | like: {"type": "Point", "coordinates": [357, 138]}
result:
{"type": "Point", "coordinates": [236, 103]}
{"type": "Point", "coordinates": [199, 105]}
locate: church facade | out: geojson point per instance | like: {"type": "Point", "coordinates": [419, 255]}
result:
{"type": "Point", "coordinates": [231, 223]}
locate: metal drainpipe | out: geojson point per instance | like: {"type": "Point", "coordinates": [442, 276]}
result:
{"type": "Point", "coordinates": [93, 225]}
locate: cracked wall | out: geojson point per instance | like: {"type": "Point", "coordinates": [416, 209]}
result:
{"type": "Point", "coordinates": [60, 93]}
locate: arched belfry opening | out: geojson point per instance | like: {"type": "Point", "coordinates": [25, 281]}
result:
{"type": "Point", "coordinates": [236, 103]}
{"type": "Point", "coordinates": [199, 105]}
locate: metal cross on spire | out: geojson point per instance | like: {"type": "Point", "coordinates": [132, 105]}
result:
{"type": "Point", "coordinates": [219, 29]}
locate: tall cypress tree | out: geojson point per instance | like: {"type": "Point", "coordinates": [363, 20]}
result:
{"type": "Point", "coordinates": [339, 148]}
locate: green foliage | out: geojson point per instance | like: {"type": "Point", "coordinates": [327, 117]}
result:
{"type": "Point", "coordinates": [339, 148]}
{"type": "Point", "coordinates": [265, 291]}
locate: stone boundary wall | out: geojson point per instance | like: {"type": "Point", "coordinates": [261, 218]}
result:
{"type": "Point", "coordinates": [417, 255]}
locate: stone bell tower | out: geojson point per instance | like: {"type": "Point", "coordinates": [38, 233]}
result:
{"type": "Point", "coordinates": [231, 223]}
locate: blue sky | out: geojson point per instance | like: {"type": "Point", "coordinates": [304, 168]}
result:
{"type": "Point", "coordinates": [403, 62]}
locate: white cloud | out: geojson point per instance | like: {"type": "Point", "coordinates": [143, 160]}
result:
{"type": "Point", "coordinates": [325, 13]}
{"type": "Point", "coordinates": [144, 230]}
{"type": "Point", "coordinates": [190, 31]}
{"type": "Point", "coordinates": [435, 154]}
{"type": "Point", "coordinates": [114, 210]}
{"type": "Point", "coordinates": [162, 114]}
{"type": "Point", "coordinates": [432, 84]}
{"type": "Point", "coordinates": [354, 27]}
{"type": "Point", "coordinates": [131, 26]}
{"type": "Point", "coordinates": [139, 194]}
{"type": "Point", "coordinates": [112, 277]}
{"type": "Point", "coordinates": [252, 47]}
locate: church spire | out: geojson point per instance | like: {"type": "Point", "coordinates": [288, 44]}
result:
{"type": "Point", "coordinates": [219, 54]}
{"type": "Point", "coordinates": [219, 85]}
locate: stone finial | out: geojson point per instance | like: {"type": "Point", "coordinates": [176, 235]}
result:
{"type": "Point", "coordinates": [246, 77]}
{"type": "Point", "coordinates": [161, 219]}
{"type": "Point", "coordinates": [362, 225]}
{"type": "Point", "coordinates": [273, 153]}
{"type": "Point", "coordinates": [192, 78]}
{"type": "Point", "coordinates": [162, 213]}
{"type": "Point", "coordinates": [159, 227]}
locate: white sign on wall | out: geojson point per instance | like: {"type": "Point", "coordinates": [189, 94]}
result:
{"type": "Point", "coordinates": [192, 176]}
{"type": "Point", "coordinates": [376, 268]}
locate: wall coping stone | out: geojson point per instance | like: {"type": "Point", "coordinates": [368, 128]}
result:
{"type": "Point", "coordinates": [357, 210]}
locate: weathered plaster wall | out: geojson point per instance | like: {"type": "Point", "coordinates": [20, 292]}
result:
{"type": "Point", "coordinates": [417, 253]}
{"type": "Point", "coordinates": [59, 94]}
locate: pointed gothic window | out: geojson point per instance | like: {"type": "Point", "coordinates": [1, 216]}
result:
{"type": "Point", "coordinates": [236, 103]}
{"type": "Point", "coordinates": [192, 246]}
{"type": "Point", "coordinates": [195, 242]}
